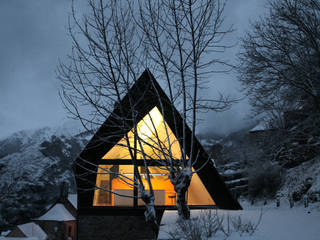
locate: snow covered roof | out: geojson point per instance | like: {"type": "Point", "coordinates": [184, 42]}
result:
{"type": "Point", "coordinates": [33, 230]}
{"type": "Point", "coordinates": [57, 213]}
{"type": "Point", "coordinates": [20, 238]}
{"type": "Point", "coordinates": [73, 199]}
{"type": "Point", "coordinates": [5, 233]}
{"type": "Point", "coordinates": [259, 127]}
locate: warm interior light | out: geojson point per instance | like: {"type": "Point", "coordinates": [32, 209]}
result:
{"type": "Point", "coordinates": [146, 127]}
{"type": "Point", "coordinates": [112, 177]}
{"type": "Point", "coordinates": [152, 129]}
{"type": "Point", "coordinates": [109, 179]}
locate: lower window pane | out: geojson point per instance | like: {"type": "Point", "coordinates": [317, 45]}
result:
{"type": "Point", "coordinates": [163, 189]}
{"type": "Point", "coordinates": [113, 186]}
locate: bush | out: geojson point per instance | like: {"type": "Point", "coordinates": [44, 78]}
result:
{"type": "Point", "coordinates": [264, 180]}
{"type": "Point", "coordinates": [209, 223]}
{"type": "Point", "coordinates": [190, 229]}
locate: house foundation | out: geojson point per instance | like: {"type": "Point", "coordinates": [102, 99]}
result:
{"type": "Point", "coordinates": [124, 227]}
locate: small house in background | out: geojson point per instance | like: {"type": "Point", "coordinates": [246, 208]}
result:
{"type": "Point", "coordinates": [27, 231]}
{"type": "Point", "coordinates": [59, 222]}
{"type": "Point", "coordinates": [104, 209]}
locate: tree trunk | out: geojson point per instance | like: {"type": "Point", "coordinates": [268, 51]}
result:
{"type": "Point", "coordinates": [181, 182]}
{"type": "Point", "coordinates": [150, 213]}
{"type": "Point", "coordinates": [182, 205]}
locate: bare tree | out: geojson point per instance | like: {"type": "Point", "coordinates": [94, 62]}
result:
{"type": "Point", "coordinates": [99, 74]}
{"type": "Point", "coordinates": [181, 41]}
{"type": "Point", "coordinates": [177, 40]}
{"type": "Point", "coordinates": [280, 58]}
{"type": "Point", "coordinates": [279, 69]}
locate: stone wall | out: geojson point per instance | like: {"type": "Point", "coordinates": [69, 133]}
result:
{"type": "Point", "coordinates": [114, 227]}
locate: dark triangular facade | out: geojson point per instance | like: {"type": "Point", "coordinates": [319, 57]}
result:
{"type": "Point", "coordinates": [144, 96]}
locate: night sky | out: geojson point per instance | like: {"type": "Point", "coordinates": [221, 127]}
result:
{"type": "Point", "coordinates": [33, 37]}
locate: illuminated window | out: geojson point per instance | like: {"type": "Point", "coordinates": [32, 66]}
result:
{"type": "Point", "coordinates": [153, 132]}
{"type": "Point", "coordinates": [197, 192]}
{"type": "Point", "coordinates": [114, 182]}
{"type": "Point", "coordinates": [114, 186]}
{"type": "Point", "coordinates": [163, 189]}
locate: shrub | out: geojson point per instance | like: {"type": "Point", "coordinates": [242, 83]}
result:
{"type": "Point", "coordinates": [209, 224]}
{"type": "Point", "coordinates": [190, 229]}
{"type": "Point", "coordinates": [264, 180]}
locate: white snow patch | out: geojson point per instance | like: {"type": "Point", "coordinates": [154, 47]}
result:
{"type": "Point", "coordinates": [57, 213]}
{"type": "Point", "coordinates": [229, 172]}
{"type": "Point", "coordinates": [228, 144]}
{"type": "Point", "coordinates": [73, 199]}
{"type": "Point", "coordinates": [237, 180]}
{"type": "Point", "coordinates": [260, 127]}
{"type": "Point", "coordinates": [5, 233]}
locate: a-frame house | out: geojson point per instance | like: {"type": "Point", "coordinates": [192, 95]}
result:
{"type": "Point", "coordinates": [104, 208]}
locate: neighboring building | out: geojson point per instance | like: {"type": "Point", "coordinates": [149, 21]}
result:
{"type": "Point", "coordinates": [57, 223]}
{"type": "Point", "coordinates": [27, 231]}
{"type": "Point", "coordinates": [103, 211]}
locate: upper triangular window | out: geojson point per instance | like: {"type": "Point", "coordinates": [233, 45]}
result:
{"type": "Point", "coordinates": [156, 138]}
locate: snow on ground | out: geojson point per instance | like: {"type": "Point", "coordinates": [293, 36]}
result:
{"type": "Point", "coordinates": [281, 223]}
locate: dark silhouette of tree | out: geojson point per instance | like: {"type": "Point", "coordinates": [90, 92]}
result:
{"type": "Point", "coordinates": [280, 59]}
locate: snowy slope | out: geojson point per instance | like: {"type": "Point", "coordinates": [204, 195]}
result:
{"type": "Point", "coordinates": [33, 163]}
{"type": "Point", "coordinates": [303, 181]}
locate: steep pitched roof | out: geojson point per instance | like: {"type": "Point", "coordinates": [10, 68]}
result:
{"type": "Point", "coordinates": [144, 95]}
{"type": "Point", "coordinates": [57, 213]}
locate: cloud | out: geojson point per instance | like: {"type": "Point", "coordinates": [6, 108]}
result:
{"type": "Point", "coordinates": [34, 36]}
{"type": "Point", "coordinates": [239, 14]}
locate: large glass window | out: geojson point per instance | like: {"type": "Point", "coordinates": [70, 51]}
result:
{"type": "Point", "coordinates": [114, 186]}
{"type": "Point", "coordinates": [197, 192]}
{"type": "Point", "coordinates": [114, 183]}
{"type": "Point", "coordinates": [164, 193]}
{"type": "Point", "coordinates": [154, 134]}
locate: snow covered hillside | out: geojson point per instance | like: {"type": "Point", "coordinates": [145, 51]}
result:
{"type": "Point", "coordinates": [303, 183]}
{"type": "Point", "coordinates": [33, 163]}
{"type": "Point", "coordinates": [265, 164]}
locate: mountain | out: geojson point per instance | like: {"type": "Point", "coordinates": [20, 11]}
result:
{"type": "Point", "coordinates": [33, 164]}
{"type": "Point", "coordinates": [266, 164]}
